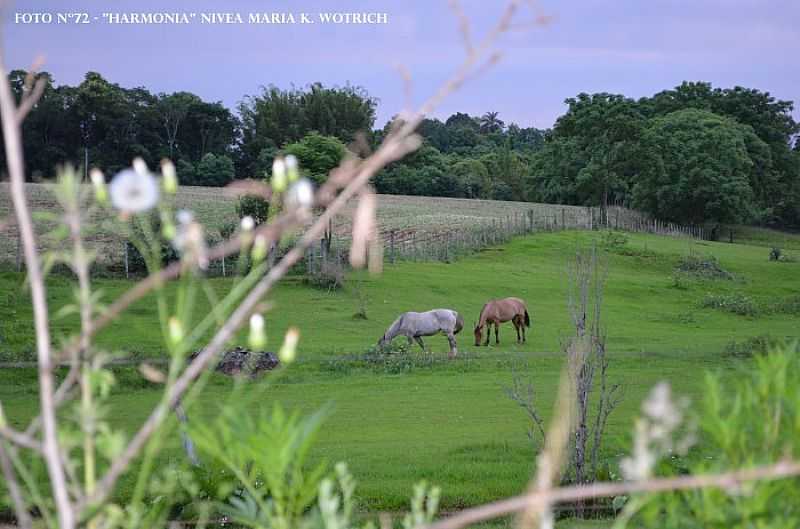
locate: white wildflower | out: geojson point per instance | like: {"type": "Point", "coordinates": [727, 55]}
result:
{"type": "Point", "coordinates": [134, 190]}
{"type": "Point", "coordinates": [292, 167]}
{"type": "Point", "coordinates": [259, 251]}
{"type": "Point", "coordinates": [656, 433]}
{"type": "Point", "coordinates": [288, 350]}
{"type": "Point", "coordinates": [300, 194]}
{"type": "Point", "coordinates": [170, 177]}
{"type": "Point", "coordinates": [248, 224]}
{"type": "Point", "coordinates": [175, 330]}
{"type": "Point", "coordinates": [278, 180]}
{"type": "Point", "coordinates": [184, 216]}
{"type": "Point", "coordinates": [258, 338]}
{"type": "Point", "coordinates": [99, 184]}
{"type": "Point", "coordinates": [189, 240]}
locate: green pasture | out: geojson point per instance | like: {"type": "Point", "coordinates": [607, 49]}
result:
{"type": "Point", "coordinates": [449, 421]}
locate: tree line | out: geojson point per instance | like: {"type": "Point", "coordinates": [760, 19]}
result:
{"type": "Point", "coordinates": [693, 154]}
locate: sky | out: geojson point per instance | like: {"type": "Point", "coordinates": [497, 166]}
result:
{"type": "Point", "coordinates": [630, 47]}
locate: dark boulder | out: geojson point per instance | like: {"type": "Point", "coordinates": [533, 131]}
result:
{"type": "Point", "coordinates": [240, 361]}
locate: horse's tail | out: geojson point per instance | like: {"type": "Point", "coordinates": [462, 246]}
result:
{"type": "Point", "coordinates": [527, 319]}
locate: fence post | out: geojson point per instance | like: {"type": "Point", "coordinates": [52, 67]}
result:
{"type": "Point", "coordinates": [391, 246]}
{"type": "Point", "coordinates": [125, 249]}
{"type": "Point", "coordinates": [19, 250]}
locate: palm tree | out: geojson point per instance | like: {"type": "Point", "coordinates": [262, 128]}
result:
{"type": "Point", "coordinates": [491, 123]}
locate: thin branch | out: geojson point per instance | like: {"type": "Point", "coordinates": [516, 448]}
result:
{"type": "Point", "coordinates": [463, 25]}
{"type": "Point", "coordinates": [16, 172]}
{"type": "Point", "coordinates": [20, 439]}
{"type": "Point", "coordinates": [395, 146]}
{"type": "Point", "coordinates": [24, 520]}
{"type": "Point", "coordinates": [390, 151]}
{"type": "Point", "coordinates": [727, 480]}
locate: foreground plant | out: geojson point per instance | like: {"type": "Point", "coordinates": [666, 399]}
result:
{"type": "Point", "coordinates": [83, 456]}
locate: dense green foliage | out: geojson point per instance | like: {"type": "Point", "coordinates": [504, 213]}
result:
{"type": "Point", "coordinates": [317, 154]}
{"type": "Point", "coordinates": [693, 154]}
{"type": "Point", "coordinates": [278, 117]}
{"type": "Point", "coordinates": [111, 125]}
{"type": "Point", "coordinates": [750, 419]}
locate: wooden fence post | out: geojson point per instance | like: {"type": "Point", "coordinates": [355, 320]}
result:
{"type": "Point", "coordinates": [125, 250]}
{"type": "Point", "coordinates": [391, 246]}
{"type": "Point", "coordinates": [19, 250]}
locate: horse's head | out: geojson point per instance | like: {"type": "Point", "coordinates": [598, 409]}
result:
{"type": "Point", "coordinates": [381, 341]}
{"type": "Point", "coordinates": [478, 334]}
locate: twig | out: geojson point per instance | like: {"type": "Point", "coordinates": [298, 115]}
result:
{"type": "Point", "coordinates": [14, 160]}
{"type": "Point", "coordinates": [726, 480]}
{"type": "Point", "coordinates": [395, 146]}
{"type": "Point", "coordinates": [24, 520]}
{"type": "Point", "coordinates": [20, 439]}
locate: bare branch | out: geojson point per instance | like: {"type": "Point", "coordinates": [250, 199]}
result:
{"type": "Point", "coordinates": [551, 460]}
{"type": "Point", "coordinates": [14, 159]}
{"type": "Point", "coordinates": [24, 520]}
{"type": "Point", "coordinates": [727, 480]}
{"type": "Point", "coordinates": [20, 439]}
{"type": "Point", "coordinates": [463, 26]}
{"type": "Point", "coordinates": [395, 146]}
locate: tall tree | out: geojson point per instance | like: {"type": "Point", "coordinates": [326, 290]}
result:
{"type": "Point", "coordinates": [490, 122]}
{"type": "Point", "coordinates": [697, 169]}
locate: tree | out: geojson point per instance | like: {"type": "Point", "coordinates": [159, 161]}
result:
{"type": "Point", "coordinates": [473, 178]}
{"type": "Point", "coordinates": [172, 110]}
{"type": "Point", "coordinates": [278, 117]}
{"type": "Point", "coordinates": [697, 169]}
{"type": "Point", "coordinates": [490, 123]}
{"type": "Point", "coordinates": [600, 134]}
{"type": "Point", "coordinates": [215, 170]}
{"type": "Point", "coordinates": [318, 154]}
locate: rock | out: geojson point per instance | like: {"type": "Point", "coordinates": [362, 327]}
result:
{"type": "Point", "coordinates": [240, 361]}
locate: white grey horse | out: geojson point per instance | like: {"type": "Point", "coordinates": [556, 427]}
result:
{"type": "Point", "coordinates": [418, 324]}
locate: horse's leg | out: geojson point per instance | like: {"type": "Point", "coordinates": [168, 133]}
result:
{"type": "Point", "coordinates": [497, 333]}
{"type": "Point", "coordinates": [488, 333]}
{"type": "Point", "coordinates": [420, 342]}
{"type": "Point", "coordinates": [522, 326]}
{"type": "Point", "coordinates": [453, 347]}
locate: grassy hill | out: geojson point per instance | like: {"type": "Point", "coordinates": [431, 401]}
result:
{"type": "Point", "coordinates": [450, 422]}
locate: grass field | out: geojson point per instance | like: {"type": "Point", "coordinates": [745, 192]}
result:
{"type": "Point", "coordinates": [450, 422]}
{"type": "Point", "coordinates": [408, 216]}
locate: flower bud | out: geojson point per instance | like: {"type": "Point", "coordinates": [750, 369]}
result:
{"type": "Point", "coordinates": [140, 167]}
{"type": "Point", "coordinates": [278, 180]}
{"type": "Point", "coordinates": [258, 337]}
{"type": "Point", "coordinates": [99, 184]}
{"type": "Point", "coordinates": [248, 224]}
{"type": "Point", "coordinates": [175, 330]}
{"type": "Point", "coordinates": [170, 181]}
{"type": "Point", "coordinates": [288, 350]}
{"type": "Point", "coordinates": [259, 251]}
{"type": "Point", "coordinates": [292, 168]}
{"type": "Point", "coordinates": [300, 194]}
{"type": "Point", "coordinates": [167, 226]}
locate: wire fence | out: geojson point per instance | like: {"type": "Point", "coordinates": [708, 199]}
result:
{"type": "Point", "coordinates": [421, 243]}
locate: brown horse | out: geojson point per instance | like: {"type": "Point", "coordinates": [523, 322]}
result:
{"type": "Point", "coordinates": [498, 311]}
